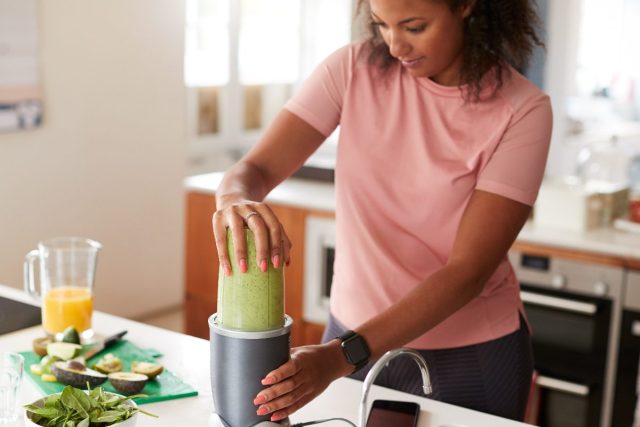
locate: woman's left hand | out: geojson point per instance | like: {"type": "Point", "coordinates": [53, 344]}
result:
{"type": "Point", "coordinates": [308, 373]}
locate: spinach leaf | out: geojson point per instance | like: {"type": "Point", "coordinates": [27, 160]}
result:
{"type": "Point", "coordinates": [75, 408]}
{"type": "Point", "coordinates": [77, 400]}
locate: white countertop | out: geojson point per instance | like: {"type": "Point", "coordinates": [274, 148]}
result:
{"type": "Point", "coordinates": [302, 193]}
{"type": "Point", "coordinates": [607, 241]}
{"type": "Point", "coordinates": [188, 358]}
{"type": "Point", "coordinates": [321, 196]}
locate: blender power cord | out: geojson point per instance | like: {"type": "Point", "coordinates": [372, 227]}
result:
{"type": "Point", "coordinates": [308, 423]}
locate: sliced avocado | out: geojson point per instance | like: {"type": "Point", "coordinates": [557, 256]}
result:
{"type": "Point", "coordinates": [46, 363]}
{"type": "Point", "coordinates": [108, 364]}
{"type": "Point", "coordinates": [128, 383]}
{"type": "Point", "coordinates": [63, 350]}
{"type": "Point", "coordinates": [77, 375]}
{"type": "Point", "coordinates": [71, 335]}
{"type": "Point", "coordinates": [149, 369]}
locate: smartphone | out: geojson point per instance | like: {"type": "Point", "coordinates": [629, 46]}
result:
{"type": "Point", "coordinates": [385, 413]}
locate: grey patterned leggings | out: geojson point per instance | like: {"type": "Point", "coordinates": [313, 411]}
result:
{"type": "Point", "coordinates": [492, 377]}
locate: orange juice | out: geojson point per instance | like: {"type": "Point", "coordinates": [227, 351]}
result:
{"type": "Point", "coordinates": [67, 306]}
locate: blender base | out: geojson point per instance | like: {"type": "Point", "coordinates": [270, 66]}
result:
{"type": "Point", "coordinates": [282, 423]}
{"type": "Point", "coordinates": [216, 421]}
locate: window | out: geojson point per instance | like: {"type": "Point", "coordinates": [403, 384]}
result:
{"type": "Point", "coordinates": [607, 75]}
{"type": "Point", "coordinates": [244, 59]}
{"type": "Point", "coordinates": [592, 72]}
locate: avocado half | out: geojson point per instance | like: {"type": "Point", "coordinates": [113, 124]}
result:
{"type": "Point", "coordinates": [128, 383]}
{"type": "Point", "coordinates": [108, 364]}
{"type": "Point", "coordinates": [149, 369]}
{"type": "Point", "coordinates": [76, 375]}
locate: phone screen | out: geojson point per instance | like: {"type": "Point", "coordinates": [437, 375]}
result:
{"type": "Point", "coordinates": [385, 413]}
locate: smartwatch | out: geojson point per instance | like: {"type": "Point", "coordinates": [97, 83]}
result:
{"type": "Point", "coordinates": [355, 349]}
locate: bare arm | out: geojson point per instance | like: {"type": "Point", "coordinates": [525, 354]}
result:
{"type": "Point", "coordinates": [488, 228]}
{"type": "Point", "coordinates": [285, 146]}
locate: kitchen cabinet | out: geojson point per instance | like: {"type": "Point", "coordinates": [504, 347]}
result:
{"type": "Point", "coordinates": [201, 267]}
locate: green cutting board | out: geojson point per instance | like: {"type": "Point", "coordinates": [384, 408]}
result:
{"type": "Point", "coordinates": [165, 386]}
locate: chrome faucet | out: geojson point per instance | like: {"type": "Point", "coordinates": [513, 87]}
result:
{"type": "Point", "coordinates": [380, 364]}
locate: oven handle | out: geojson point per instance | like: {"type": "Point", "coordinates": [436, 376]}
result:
{"type": "Point", "coordinates": [559, 303]}
{"type": "Point", "coordinates": [561, 385]}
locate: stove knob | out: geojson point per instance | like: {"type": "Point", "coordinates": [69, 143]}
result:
{"type": "Point", "coordinates": [558, 281]}
{"type": "Point", "coordinates": [601, 288]}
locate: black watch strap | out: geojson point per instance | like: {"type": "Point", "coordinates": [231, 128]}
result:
{"type": "Point", "coordinates": [355, 349]}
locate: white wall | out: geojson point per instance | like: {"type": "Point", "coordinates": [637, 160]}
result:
{"type": "Point", "coordinates": [561, 49]}
{"type": "Point", "coordinates": [109, 160]}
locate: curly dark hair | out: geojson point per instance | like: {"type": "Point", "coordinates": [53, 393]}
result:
{"type": "Point", "coordinates": [496, 33]}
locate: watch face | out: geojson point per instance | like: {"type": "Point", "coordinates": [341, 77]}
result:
{"type": "Point", "coordinates": [356, 350]}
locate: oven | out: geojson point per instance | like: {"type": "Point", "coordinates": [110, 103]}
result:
{"type": "Point", "coordinates": [574, 311]}
{"type": "Point", "coordinates": [319, 253]}
{"type": "Point", "coordinates": [626, 412]}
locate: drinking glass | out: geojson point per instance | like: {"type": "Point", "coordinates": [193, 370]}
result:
{"type": "Point", "coordinates": [67, 273]}
{"type": "Point", "coordinates": [11, 367]}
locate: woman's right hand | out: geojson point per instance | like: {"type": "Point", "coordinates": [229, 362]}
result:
{"type": "Point", "coordinates": [272, 243]}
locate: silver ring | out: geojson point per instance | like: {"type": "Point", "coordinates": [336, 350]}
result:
{"type": "Point", "coordinates": [249, 215]}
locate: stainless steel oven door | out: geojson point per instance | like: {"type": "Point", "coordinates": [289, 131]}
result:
{"type": "Point", "coordinates": [567, 327]}
{"type": "Point", "coordinates": [562, 403]}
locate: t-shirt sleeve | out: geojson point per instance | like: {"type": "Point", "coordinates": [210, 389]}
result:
{"type": "Point", "coordinates": [319, 99]}
{"type": "Point", "coordinates": [516, 168]}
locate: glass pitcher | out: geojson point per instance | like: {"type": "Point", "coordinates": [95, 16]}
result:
{"type": "Point", "coordinates": [66, 273]}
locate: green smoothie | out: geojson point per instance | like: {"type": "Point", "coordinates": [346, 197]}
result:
{"type": "Point", "coordinates": [251, 301]}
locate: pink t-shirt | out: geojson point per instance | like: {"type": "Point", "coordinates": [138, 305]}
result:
{"type": "Point", "coordinates": [410, 154]}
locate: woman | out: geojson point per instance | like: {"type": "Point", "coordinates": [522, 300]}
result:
{"type": "Point", "coordinates": [441, 153]}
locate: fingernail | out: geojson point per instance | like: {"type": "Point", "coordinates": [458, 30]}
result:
{"type": "Point", "coordinates": [260, 399]}
{"type": "Point", "coordinates": [263, 265]}
{"type": "Point", "coordinates": [243, 265]}
{"type": "Point", "coordinates": [268, 380]}
{"type": "Point", "coordinates": [263, 410]}
{"type": "Point", "coordinates": [277, 416]}
{"type": "Point", "coordinates": [227, 269]}
{"type": "Point", "coordinates": [276, 261]}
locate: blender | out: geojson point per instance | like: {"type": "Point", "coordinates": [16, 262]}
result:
{"type": "Point", "coordinates": [249, 337]}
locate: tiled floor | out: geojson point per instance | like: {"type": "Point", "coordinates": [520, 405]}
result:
{"type": "Point", "coordinates": [172, 320]}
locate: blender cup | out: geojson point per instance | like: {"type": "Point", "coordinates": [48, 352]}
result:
{"type": "Point", "coordinates": [251, 301]}
{"type": "Point", "coordinates": [249, 337]}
